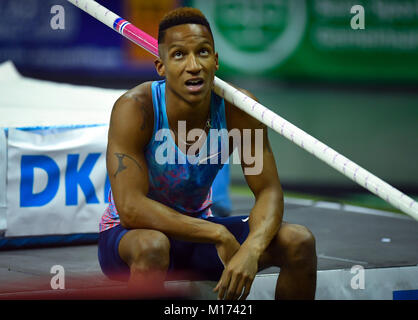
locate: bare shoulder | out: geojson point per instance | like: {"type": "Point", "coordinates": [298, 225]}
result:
{"type": "Point", "coordinates": [133, 112]}
{"type": "Point", "coordinates": [132, 99]}
{"type": "Point", "coordinates": [237, 118]}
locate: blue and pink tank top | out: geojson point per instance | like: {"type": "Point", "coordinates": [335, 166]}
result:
{"type": "Point", "coordinates": [179, 181]}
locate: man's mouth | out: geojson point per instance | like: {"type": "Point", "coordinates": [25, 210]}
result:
{"type": "Point", "coordinates": [194, 85]}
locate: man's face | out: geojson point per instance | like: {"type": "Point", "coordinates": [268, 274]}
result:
{"type": "Point", "coordinates": [188, 61]}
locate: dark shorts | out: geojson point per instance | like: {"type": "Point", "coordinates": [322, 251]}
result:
{"type": "Point", "coordinates": [199, 259]}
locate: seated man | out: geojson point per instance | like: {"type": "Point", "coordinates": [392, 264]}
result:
{"type": "Point", "coordinates": [159, 217]}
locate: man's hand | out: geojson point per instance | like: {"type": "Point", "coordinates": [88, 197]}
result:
{"type": "Point", "coordinates": [227, 246]}
{"type": "Point", "coordinates": [238, 275]}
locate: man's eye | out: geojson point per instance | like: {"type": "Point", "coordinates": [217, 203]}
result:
{"type": "Point", "coordinates": [204, 52]}
{"type": "Point", "coordinates": [178, 54]}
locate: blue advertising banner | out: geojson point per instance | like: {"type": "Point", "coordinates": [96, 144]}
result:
{"type": "Point", "coordinates": [57, 182]}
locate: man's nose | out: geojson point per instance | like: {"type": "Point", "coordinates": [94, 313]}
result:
{"type": "Point", "coordinates": [193, 65]}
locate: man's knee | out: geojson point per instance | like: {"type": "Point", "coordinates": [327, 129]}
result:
{"type": "Point", "coordinates": [150, 250]}
{"type": "Point", "coordinates": [300, 246]}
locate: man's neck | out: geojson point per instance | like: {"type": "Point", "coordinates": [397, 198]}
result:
{"type": "Point", "coordinates": [178, 109]}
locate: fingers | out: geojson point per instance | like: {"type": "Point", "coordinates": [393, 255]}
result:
{"type": "Point", "coordinates": [223, 285]}
{"type": "Point", "coordinates": [231, 293]}
{"type": "Point", "coordinates": [217, 286]}
{"type": "Point", "coordinates": [231, 286]}
{"type": "Point", "coordinates": [247, 289]}
{"type": "Point", "coordinates": [240, 288]}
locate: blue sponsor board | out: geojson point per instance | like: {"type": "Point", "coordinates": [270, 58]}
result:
{"type": "Point", "coordinates": [62, 185]}
{"type": "Point", "coordinates": [74, 178]}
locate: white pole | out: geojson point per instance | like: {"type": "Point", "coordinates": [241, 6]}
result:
{"type": "Point", "coordinates": [266, 116]}
{"type": "Point", "coordinates": [318, 149]}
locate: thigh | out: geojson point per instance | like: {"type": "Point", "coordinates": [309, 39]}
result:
{"type": "Point", "coordinates": [199, 259]}
{"type": "Point", "coordinates": [204, 261]}
{"type": "Point", "coordinates": [110, 262]}
{"type": "Point", "coordinates": [136, 241]}
{"type": "Point", "coordinates": [276, 253]}
{"type": "Point", "coordinates": [237, 225]}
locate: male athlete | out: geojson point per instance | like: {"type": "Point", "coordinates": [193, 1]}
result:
{"type": "Point", "coordinates": [159, 217]}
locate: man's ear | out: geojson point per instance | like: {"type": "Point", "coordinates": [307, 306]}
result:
{"type": "Point", "coordinates": [159, 66]}
{"type": "Point", "coordinates": [216, 61]}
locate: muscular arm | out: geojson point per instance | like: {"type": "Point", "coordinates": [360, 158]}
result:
{"type": "Point", "coordinates": [130, 130]}
{"type": "Point", "coordinates": [267, 213]}
{"type": "Point", "coordinates": [263, 180]}
{"type": "Point", "coordinates": [265, 217]}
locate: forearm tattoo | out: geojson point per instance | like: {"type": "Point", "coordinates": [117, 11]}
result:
{"type": "Point", "coordinates": [121, 165]}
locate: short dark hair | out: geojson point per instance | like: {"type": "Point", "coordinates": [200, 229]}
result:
{"type": "Point", "coordinates": [183, 15]}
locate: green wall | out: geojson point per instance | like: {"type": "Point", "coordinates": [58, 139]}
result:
{"type": "Point", "coordinates": [376, 130]}
{"type": "Point", "coordinates": [314, 39]}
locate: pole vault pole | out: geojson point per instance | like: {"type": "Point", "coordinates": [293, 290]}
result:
{"type": "Point", "coordinates": [342, 164]}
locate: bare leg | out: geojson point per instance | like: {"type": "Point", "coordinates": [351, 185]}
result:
{"type": "Point", "coordinates": [293, 250]}
{"type": "Point", "coordinates": [147, 254]}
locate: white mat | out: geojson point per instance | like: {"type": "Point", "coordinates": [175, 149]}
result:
{"type": "Point", "coordinates": [26, 102]}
